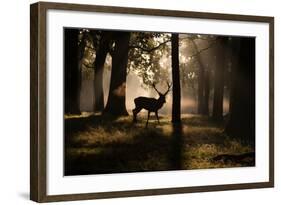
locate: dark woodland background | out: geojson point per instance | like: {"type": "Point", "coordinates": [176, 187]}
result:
{"type": "Point", "coordinates": [208, 120]}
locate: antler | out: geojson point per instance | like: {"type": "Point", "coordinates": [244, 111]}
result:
{"type": "Point", "coordinates": [169, 87]}
{"type": "Point", "coordinates": [153, 85]}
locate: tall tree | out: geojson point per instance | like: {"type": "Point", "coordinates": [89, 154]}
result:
{"type": "Point", "coordinates": [102, 50]}
{"type": "Point", "coordinates": [176, 106]}
{"type": "Point", "coordinates": [72, 77]}
{"type": "Point", "coordinates": [204, 72]}
{"type": "Point", "coordinates": [117, 90]}
{"type": "Point", "coordinates": [241, 122]}
{"type": "Point", "coordinates": [221, 63]}
{"type": "Point", "coordinates": [201, 78]}
{"type": "Point", "coordinates": [206, 96]}
{"type": "Point", "coordinates": [234, 63]}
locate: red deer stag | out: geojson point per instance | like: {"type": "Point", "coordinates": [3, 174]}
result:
{"type": "Point", "coordinates": [150, 104]}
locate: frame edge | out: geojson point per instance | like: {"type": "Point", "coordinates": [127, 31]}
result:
{"type": "Point", "coordinates": [153, 12]}
{"type": "Point", "coordinates": [38, 102]}
{"type": "Point", "coordinates": [271, 101]}
{"type": "Point", "coordinates": [155, 192]}
{"type": "Point", "coordinates": [34, 186]}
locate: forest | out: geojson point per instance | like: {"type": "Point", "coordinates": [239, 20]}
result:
{"type": "Point", "coordinates": [148, 101]}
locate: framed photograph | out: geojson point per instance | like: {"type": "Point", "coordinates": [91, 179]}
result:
{"type": "Point", "coordinates": [134, 102]}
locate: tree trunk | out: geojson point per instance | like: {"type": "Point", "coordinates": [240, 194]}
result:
{"type": "Point", "coordinates": [221, 62]}
{"type": "Point", "coordinates": [200, 103]}
{"type": "Point", "coordinates": [234, 58]}
{"type": "Point", "coordinates": [176, 107]}
{"type": "Point", "coordinates": [117, 91]}
{"type": "Point", "coordinates": [99, 67]}
{"type": "Point", "coordinates": [72, 77]}
{"type": "Point", "coordinates": [241, 123]}
{"type": "Point", "coordinates": [201, 80]}
{"type": "Point", "coordinates": [206, 97]}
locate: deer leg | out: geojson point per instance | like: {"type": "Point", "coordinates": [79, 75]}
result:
{"type": "Point", "coordinates": [135, 113]}
{"type": "Point", "coordinates": [156, 113]}
{"type": "Point", "coordinates": [147, 118]}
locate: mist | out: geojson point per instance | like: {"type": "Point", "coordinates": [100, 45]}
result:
{"type": "Point", "coordinates": [135, 89]}
{"type": "Point", "coordinates": [135, 86]}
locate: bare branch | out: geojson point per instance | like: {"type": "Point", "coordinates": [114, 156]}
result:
{"type": "Point", "coordinates": [151, 49]}
{"type": "Point", "coordinates": [89, 47]}
{"type": "Point", "coordinates": [195, 38]}
{"type": "Point", "coordinates": [88, 66]}
{"type": "Point", "coordinates": [204, 49]}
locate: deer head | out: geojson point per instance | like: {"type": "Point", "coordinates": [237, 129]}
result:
{"type": "Point", "coordinates": [162, 96]}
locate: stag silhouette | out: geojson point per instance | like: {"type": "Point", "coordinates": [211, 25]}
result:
{"type": "Point", "coordinates": [150, 104]}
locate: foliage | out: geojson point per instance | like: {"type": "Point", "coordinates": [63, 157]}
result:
{"type": "Point", "coordinates": [145, 55]}
{"type": "Point", "coordinates": [87, 53]}
{"type": "Point", "coordinates": [149, 56]}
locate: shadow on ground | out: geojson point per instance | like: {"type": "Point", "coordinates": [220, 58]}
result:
{"type": "Point", "coordinates": [102, 144]}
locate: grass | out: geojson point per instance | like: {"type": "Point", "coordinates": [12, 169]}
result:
{"type": "Point", "coordinates": [102, 144]}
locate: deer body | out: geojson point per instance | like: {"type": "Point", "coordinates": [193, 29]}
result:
{"type": "Point", "coordinates": [150, 104]}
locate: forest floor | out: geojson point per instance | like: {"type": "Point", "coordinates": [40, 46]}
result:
{"type": "Point", "coordinates": [96, 144]}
